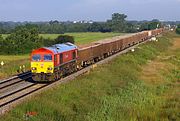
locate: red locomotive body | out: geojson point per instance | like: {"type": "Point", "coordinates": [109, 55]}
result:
{"type": "Point", "coordinates": [50, 63]}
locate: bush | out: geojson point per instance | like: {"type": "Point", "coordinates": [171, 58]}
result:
{"type": "Point", "coordinates": [63, 39]}
{"type": "Point", "coordinates": [1, 43]}
{"type": "Point", "coordinates": [178, 30]}
{"type": "Point", "coordinates": [47, 41]}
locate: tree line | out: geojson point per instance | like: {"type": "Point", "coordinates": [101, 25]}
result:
{"type": "Point", "coordinates": [117, 23]}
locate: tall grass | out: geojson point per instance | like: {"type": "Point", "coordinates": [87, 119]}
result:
{"type": "Point", "coordinates": [12, 64]}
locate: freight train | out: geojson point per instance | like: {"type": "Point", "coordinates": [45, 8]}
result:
{"type": "Point", "coordinates": [59, 60]}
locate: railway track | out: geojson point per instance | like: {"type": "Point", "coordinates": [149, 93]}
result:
{"type": "Point", "coordinates": [15, 77]}
{"type": "Point", "coordinates": [13, 81]}
{"type": "Point", "coordinates": [19, 88]}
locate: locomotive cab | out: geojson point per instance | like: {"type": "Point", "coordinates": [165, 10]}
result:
{"type": "Point", "coordinates": [42, 61]}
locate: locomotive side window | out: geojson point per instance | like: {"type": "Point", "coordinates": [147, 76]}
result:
{"type": "Point", "coordinates": [61, 58]}
{"type": "Point", "coordinates": [74, 55]}
{"type": "Point", "coordinates": [47, 57]}
{"type": "Point", "coordinates": [36, 57]}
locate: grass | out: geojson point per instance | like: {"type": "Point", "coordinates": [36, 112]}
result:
{"type": "Point", "coordinates": [4, 35]}
{"type": "Point", "coordinates": [12, 63]}
{"type": "Point", "coordinates": [112, 92]}
{"type": "Point", "coordinates": [84, 38]}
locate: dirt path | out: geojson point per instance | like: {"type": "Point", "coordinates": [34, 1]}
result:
{"type": "Point", "coordinates": [152, 72]}
{"type": "Point", "coordinates": [176, 44]}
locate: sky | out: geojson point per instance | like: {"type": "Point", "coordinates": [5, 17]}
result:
{"type": "Point", "coordinates": [97, 10]}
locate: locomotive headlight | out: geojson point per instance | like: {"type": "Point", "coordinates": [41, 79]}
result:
{"type": "Point", "coordinates": [33, 68]}
{"type": "Point", "coordinates": [50, 68]}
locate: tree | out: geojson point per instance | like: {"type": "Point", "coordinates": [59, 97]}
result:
{"type": "Point", "coordinates": [144, 26]}
{"type": "Point", "coordinates": [178, 29]}
{"type": "Point", "coordinates": [154, 24]}
{"type": "Point", "coordinates": [77, 27]}
{"type": "Point", "coordinates": [1, 38]}
{"type": "Point", "coordinates": [22, 40]}
{"type": "Point", "coordinates": [1, 44]}
{"type": "Point", "coordinates": [94, 27]}
{"type": "Point", "coordinates": [118, 22]}
{"type": "Point", "coordinates": [53, 27]}
{"type": "Point", "coordinates": [54, 22]}
{"type": "Point", "coordinates": [130, 28]}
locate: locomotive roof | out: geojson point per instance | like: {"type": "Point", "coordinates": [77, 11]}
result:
{"type": "Point", "coordinates": [59, 48]}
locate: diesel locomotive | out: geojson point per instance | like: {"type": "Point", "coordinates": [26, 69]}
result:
{"type": "Point", "coordinates": [51, 63]}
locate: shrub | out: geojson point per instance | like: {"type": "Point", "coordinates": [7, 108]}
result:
{"type": "Point", "coordinates": [178, 29]}
{"type": "Point", "coordinates": [63, 39]}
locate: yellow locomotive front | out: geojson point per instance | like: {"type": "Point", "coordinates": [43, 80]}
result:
{"type": "Point", "coordinates": [42, 65]}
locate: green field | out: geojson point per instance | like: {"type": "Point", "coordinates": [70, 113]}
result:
{"type": "Point", "coordinates": [12, 63]}
{"type": "Point", "coordinates": [4, 35]}
{"type": "Point", "coordinates": [84, 38]}
{"type": "Point", "coordinates": [117, 91]}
